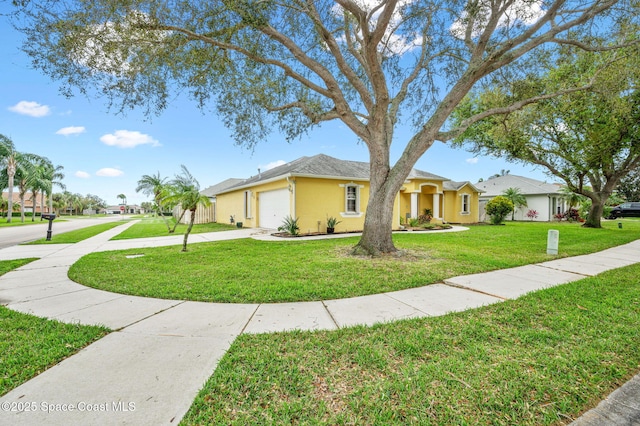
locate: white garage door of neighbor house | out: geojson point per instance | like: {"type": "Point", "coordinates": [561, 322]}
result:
{"type": "Point", "coordinates": [273, 207]}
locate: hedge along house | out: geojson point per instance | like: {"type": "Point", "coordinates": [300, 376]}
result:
{"type": "Point", "coordinates": [312, 189]}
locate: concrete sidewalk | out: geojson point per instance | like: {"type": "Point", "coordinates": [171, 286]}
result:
{"type": "Point", "coordinates": [150, 369]}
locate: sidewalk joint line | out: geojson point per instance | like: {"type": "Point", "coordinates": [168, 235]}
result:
{"type": "Point", "coordinates": [474, 290]}
{"type": "Point", "coordinates": [326, 308]}
{"type": "Point", "coordinates": [120, 329]}
{"type": "Point", "coordinates": [244, 327]}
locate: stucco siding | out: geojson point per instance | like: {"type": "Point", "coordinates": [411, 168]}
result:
{"type": "Point", "coordinates": [231, 204]}
{"type": "Point", "coordinates": [454, 208]}
{"type": "Point", "coordinates": [318, 199]}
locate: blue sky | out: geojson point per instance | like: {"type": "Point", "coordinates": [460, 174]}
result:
{"type": "Point", "coordinates": [105, 154]}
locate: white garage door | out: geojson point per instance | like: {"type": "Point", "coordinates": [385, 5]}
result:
{"type": "Point", "coordinates": [273, 207]}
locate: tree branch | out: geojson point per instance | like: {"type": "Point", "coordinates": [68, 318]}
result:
{"type": "Point", "coordinates": [465, 124]}
{"type": "Point", "coordinates": [344, 67]}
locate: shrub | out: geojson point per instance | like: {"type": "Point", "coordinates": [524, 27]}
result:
{"type": "Point", "coordinates": [532, 214]}
{"type": "Point", "coordinates": [498, 208]}
{"type": "Point", "coordinates": [426, 217]}
{"type": "Point", "coordinates": [289, 225]}
{"type": "Point", "coordinates": [414, 222]}
{"type": "Point", "coordinates": [572, 215]}
{"type": "Point", "coordinates": [332, 222]}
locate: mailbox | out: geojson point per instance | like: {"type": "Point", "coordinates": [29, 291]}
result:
{"type": "Point", "coordinates": [50, 218]}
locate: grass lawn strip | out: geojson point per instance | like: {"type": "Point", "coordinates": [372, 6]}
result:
{"type": "Point", "coordinates": [249, 271]}
{"type": "Point", "coordinates": [538, 360]}
{"type": "Point", "coordinates": [29, 345]}
{"type": "Point", "coordinates": [155, 227]}
{"type": "Point", "coordinates": [78, 235]}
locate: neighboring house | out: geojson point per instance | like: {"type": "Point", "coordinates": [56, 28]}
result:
{"type": "Point", "coordinates": [545, 198]}
{"type": "Point", "coordinates": [28, 203]}
{"type": "Point", "coordinates": [315, 188]}
{"type": "Point", "coordinates": [208, 214]}
{"type": "Point", "coordinates": [117, 209]}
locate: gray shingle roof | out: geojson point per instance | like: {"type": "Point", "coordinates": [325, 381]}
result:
{"type": "Point", "coordinates": [211, 191]}
{"type": "Point", "coordinates": [497, 185]}
{"type": "Point", "coordinates": [322, 165]}
{"type": "Point", "coordinates": [454, 186]}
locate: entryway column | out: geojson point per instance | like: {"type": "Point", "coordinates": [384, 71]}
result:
{"type": "Point", "coordinates": [436, 206]}
{"type": "Point", "coordinates": [414, 204]}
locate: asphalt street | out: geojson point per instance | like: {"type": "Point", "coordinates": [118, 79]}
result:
{"type": "Point", "coordinates": [14, 235]}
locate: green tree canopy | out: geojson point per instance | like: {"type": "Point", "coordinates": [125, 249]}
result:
{"type": "Point", "coordinates": [293, 64]}
{"type": "Point", "coordinates": [156, 186]}
{"type": "Point", "coordinates": [8, 166]}
{"type": "Point", "coordinates": [590, 139]}
{"type": "Point", "coordinates": [629, 186]}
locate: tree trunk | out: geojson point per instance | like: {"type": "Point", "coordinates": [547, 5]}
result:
{"type": "Point", "coordinates": [10, 172]}
{"type": "Point", "coordinates": [376, 237]}
{"type": "Point", "coordinates": [171, 231]}
{"type": "Point", "coordinates": [33, 210]}
{"type": "Point", "coordinates": [186, 234]}
{"type": "Point", "coordinates": [384, 183]}
{"type": "Point", "coordinates": [21, 208]}
{"type": "Point", "coordinates": [595, 212]}
{"type": "Point", "coordinates": [166, 222]}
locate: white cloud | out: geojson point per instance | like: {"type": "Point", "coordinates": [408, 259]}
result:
{"type": "Point", "coordinates": [71, 130]}
{"type": "Point", "coordinates": [128, 139]}
{"type": "Point", "coordinates": [272, 165]}
{"type": "Point", "coordinates": [109, 172]}
{"type": "Point", "coordinates": [32, 109]}
{"type": "Point", "coordinates": [82, 175]}
{"type": "Point", "coordinates": [471, 161]}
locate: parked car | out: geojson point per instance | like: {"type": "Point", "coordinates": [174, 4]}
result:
{"type": "Point", "coordinates": [625, 210]}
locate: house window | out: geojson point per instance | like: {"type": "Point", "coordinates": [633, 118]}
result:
{"type": "Point", "coordinates": [352, 202]}
{"type": "Point", "coordinates": [465, 203]}
{"type": "Point", "coordinates": [247, 204]}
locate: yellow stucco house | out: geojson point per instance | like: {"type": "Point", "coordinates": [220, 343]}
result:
{"type": "Point", "coordinates": [313, 189]}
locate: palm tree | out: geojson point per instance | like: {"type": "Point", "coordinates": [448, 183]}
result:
{"type": "Point", "coordinates": [8, 162]}
{"type": "Point", "coordinates": [66, 199]}
{"type": "Point", "coordinates": [52, 175]}
{"type": "Point", "coordinates": [124, 200]}
{"type": "Point", "coordinates": [186, 191]}
{"type": "Point", "coordinates": [78, 204]}
{"type": "Point", "coordinates": [571, 197]}
{"type": "Point", "coordinates": [58, 203]}
{"type": "Point", "coordinates": [37, 185]}
{"type": "Point", "coordinates": [26, 174]}
{"type": "Point", "coordinates": [156, 186]}
{"type": "Point", "coordinates": [516, 197]}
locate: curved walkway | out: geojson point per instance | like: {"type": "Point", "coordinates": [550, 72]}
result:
{"type": "Point", "coordinates": [150, 369]}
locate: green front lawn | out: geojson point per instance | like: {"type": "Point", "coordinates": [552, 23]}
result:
{"type": "Point", "coordinates": [538, 360]}
{"type": "Point", "coordinates": [155, 227]}
{"type": "Point", "coordinates": [78, 235]}
{"type": "Point", "coordinates": [293, 270]}
{"type": "Point", "coordinates": [29, 345]}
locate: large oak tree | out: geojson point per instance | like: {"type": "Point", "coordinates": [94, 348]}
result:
{"type": "Point", "coordinates": [293, 64]}
{"type": "Point", "coordinates": [590, 139]}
